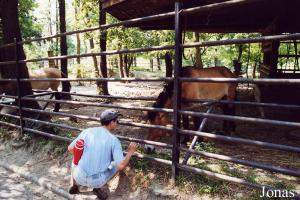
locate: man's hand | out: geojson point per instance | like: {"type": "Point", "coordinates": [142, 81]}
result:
{"type": "Point", "coordinates": [132, 147]}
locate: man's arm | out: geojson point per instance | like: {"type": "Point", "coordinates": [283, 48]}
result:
{"type": "Point", "coordinates": [71, 149]}
{"type": "Point", "coordinates": [131, 149]}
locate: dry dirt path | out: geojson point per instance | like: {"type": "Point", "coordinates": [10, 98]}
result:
{"type": "Point", "coordinates": [14, 187]}
{"type": "Point", "coordinates": [56, 171]}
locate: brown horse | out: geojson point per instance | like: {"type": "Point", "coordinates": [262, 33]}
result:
{"type": "Point", "coordinates": [46, 73]}
{"type": "Point", "coordinates": [193, 91]}
{"type": "Point", "coordinates": [45, 85]}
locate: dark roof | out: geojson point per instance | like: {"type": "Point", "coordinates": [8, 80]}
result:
{"type": "Point", "coordinates": [249, 16]}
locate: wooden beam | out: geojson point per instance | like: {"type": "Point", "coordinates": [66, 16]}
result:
{"type": "Point", "coordinates": [110, 3]}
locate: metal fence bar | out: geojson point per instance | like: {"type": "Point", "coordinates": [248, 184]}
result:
{"type": "Point", "coordinates": [243, 80]}
{"type": "Point", "coordinates": [261, 39]}
{"type": "Point", "coordinates": [9, 115]}
{"type": "Point", "coordinates": [226, 178]}
{"type": "Point", "coordinates": [192, 145]}
{"type": "Point", "coordinates": [64, 126]}
{"type": "Point", "coordinates": [7, 45]}
{"type": "Point", "coordinates": [147, 157]}
{"type": "Point", "coordinates": [10, 124]}
{"type": "Point", "coordinates": [110, 96]}
{"type": "Point", "coordinates": [182, 79]}
{"type": "Point", "coordinates": [242, 141]}
{"type": "Point", "coordinates": [19, 92]}
{"type": "Point", "coordinates": [109, 52]}
{"type": "Point", "coordinates": [177, 89]}
{"type": "Point", "coordinates": [100, 105]}
{"type": "Point", "coordinates": [243, 162]}
{"type": "Point", "coordinates": [54, 137]}
{"type": "Point", "coordinates": [165, 79]}
{"type": "Point", "coordinates": [242, 119]}
{"type": "Point", "coordinates": [247, 103]}
{"type": "Point", "coordinates": [8, 63]}
{"type": "Point", "coordinates": [41, 94]}
{"type": "Point", "coordinates": [83, 117]}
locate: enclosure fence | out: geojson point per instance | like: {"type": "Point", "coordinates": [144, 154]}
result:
{"type": "Point", "coordinates": [26, 124]}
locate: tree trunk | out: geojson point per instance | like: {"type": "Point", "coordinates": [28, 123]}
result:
{"type": "Point", "coordinates": [96, 69]}
{"type": "Point", "coordinates": [66, 86]}
{"type": "Point", "coordinates": [158, 63]}
{"type": "Point", "coordinates": [10, 30]}
{"type": "Point", "coordinates": [134, 61]}
{"type": "Point", "coordinates": [151, 64]}
{"type": "Point", "coordinates": [169, 65]}
{"type": "Point", "coordinates": [51, 62]}
{"type": "Point", "coordinates": [198, 57]}
{"type": "Point", "coordinates": [103, 61]}
{"type": "Point", "coordinates": [126, 66]}
{"type": "Point", "coordinates": [121, 65]}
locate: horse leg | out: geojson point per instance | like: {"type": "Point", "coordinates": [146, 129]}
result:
{"type": "Point", "coordinates": [154, 135]}
{"type": "Point", "coordinates": [57, 105]}
{"type": "Point", "coordinates": [257, 97]}
{"type": "Point", "coordinates": [229, 109]}
{"type": "Point", "coordinates": [185, 124]}
{"type": "Point", "coordinates": [196, 122]}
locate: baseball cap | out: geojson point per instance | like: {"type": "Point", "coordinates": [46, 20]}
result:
{"type": "Point", "coordinates": [109, 114]}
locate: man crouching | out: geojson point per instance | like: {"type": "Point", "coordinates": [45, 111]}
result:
{"type": "Point", "coordinates": [98, 155]}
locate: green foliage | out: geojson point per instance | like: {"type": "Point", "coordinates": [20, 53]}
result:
{"type": "Point", "coordinates": [202, 183]}
{"type": "Point", "coordinates": [249, 175]}
{"type": "Point", "coordinates": [28, 23]}
{"type": "Point", "coordinates": [206, 146]}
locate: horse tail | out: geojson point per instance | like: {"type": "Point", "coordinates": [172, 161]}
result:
{"type": "Point", "coordinates": [63, 75]}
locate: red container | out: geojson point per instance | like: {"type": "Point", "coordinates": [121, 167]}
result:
{"type": "Point", "coordinates": [78, 150]}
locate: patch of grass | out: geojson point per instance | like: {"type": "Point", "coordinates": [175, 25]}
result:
{"type": "Point", "coordinates": [4, 133]}
{"type": "Point", "coordinates": [139, 164]}
{"type": "Point", "coordinates": [206, 146]}
{"type": "Point", "coordinates": [249, 175]}
{"type": "Point", "coordinates": [201, 184]}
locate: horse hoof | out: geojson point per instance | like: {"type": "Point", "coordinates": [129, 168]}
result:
{"type": "Point", "coordinates": [150, 149]}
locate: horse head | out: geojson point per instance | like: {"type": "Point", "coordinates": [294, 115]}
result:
{"type": "Point", "coordinates": [156, 134]}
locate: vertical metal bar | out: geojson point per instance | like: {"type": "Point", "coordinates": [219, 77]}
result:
{"type": "Point", "coordinates": [202, 125]}
{"type": "Point", "coordinates": [19, 87]}
{"type": "Point", "coordinates": [103, 59]}
{"type": "Point", "coordinates": [177, 90]}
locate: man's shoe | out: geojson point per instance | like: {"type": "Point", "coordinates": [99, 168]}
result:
{"type": "Point", "coordinates": [100, 193]}
{"type": "Point", "coordinates": [74, 189]}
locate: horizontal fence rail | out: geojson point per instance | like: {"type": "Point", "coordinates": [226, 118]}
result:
{"type": "Point", "coordinates": [242, 119]}
{"type": "Point", "coordinates": [227, 178]}
{"type": "Point", "coordinates": [105, 105]}
{"type": "Point", "coordinates": [242, 141]}
{"type": "Point", "coordinates": [243, 162]}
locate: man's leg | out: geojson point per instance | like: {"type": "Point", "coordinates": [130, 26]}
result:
{"type": "Point", "coordinates": [74, 189]}
{"type": "Point", "coordinates": [100, 192]}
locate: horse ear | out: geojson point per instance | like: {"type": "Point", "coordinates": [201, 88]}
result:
{"type": "Point", "coordinates": [145, 113]}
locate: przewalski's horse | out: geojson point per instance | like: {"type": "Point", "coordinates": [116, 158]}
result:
{"type": "Point", "coordinates": [46, 73]}
{"type": "Point", "coordinates": [45, 85]}
{"type": "Point", "coordinates": [193, 91]}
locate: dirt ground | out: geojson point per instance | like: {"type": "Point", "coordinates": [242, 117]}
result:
{"type": "Point", "coordinates": [58, 168]}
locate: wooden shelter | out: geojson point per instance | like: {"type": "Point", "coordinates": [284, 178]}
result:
{"type": "Point", "coordinates": [242, 16]}
{"type": "Point", "coordinates": [268, 17]}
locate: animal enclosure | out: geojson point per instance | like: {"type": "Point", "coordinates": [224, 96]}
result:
{"type": "Point", "coordinates": [258, 144]}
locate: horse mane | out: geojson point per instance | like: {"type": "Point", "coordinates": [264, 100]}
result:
{"type": "Point", "coordinates": [161, 99]}
{"type": "Point", "coordinates": [166, 94]}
